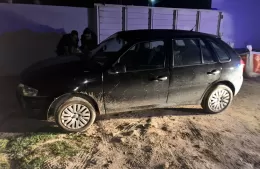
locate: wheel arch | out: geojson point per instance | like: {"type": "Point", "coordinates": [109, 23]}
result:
{"type": "Point", "coordinates": [224, 82]}
{"type": "Point", "coordinates": [88, 97]}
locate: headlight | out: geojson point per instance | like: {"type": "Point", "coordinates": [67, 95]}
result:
{"type": "Point", "coordinates": [27, 91]}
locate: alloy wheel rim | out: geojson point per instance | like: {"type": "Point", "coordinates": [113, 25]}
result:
{"type": "Point", "coordinates": [75, 116]}
{"type": "Point", "coordinates": [219, 100]}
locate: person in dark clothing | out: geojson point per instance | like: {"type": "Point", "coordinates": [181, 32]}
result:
{"type": "Point", "coordinates": [68, 44]}
{"type": "Point", "coordinates": [88, 41]}
{"type": "Point", "coordinates": [143, 53]}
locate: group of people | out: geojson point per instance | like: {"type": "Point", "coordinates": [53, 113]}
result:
{"type": "Point", "coordinates": [69, 43]}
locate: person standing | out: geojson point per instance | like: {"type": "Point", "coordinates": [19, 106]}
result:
{"type": "Point", "coordinates": [68, 44]}
{"type": "Point", "coordinates": [88, 41]}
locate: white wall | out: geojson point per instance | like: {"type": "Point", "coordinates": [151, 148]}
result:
{"type": "Point", "coordinates": [241, 21]}
{"type": "Point", "coordinates": [29, 33]}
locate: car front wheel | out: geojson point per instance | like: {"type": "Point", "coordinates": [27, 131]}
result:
{"type": "Point", "coordinates": [75, 115]}
{"type": "Point", "coordinates": [218, 99]}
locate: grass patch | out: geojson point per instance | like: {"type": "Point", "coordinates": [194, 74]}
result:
{"type": "Point", "coordinates": [32, 162]}
{"type": "Point", "coordinates": [63, 149]}
{"type": "Point", "coordinates": [36, 151]}
{"type": "Point", "coordinates": [4, 164]}
{"type": "Point", "coordinates": [21, 146]}
{"type": "Point", "coordinates": [23, 150]}
{"type": "Point", "coordinates": [3, 144]}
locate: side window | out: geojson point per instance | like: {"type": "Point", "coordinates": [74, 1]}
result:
{"type": "Point", "coordinates": [186, 52]}
{"type": "Point", "coordinates": [110, 45]}
{"type": "Point", "coordinates": [222, 54]}
{"type": "Point", "coordinates": [207, 55]}
{"type": "Point", "coordinates": [144, 55]}
{"type": "Point", "coordinates": [114, 45]}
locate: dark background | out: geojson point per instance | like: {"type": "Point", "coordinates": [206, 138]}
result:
{"type": "Point", "coordinates": [72, 3]}
{"type": "Point", "coordinates": [193, 4]}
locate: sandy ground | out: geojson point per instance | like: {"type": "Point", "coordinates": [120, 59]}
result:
{"type": "Point", "coordinates": [162, 138]}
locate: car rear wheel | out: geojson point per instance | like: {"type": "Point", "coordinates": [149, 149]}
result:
{"type": "Point", "coordinates": [218, 99]}
{"type": "Point", "coordinates": [75, 115]}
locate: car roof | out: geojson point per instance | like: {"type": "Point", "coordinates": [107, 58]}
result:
{"type": "Point", "coordinates": [145, 34]}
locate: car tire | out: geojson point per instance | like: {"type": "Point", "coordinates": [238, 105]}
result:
{"type": "Point", "coordinates": [75, 115]}
{"type": "Point", "coordinates": [218, 99]}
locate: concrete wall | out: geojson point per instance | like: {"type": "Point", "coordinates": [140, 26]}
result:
{"type": "Point", "coordinates": [241, 21]}
{"type": "Point", "coordinates": [29, 33]}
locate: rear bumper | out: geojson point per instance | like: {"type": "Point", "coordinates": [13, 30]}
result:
{"type": "Point", "coordinates": [34, 107]}
{"type": "Point", "coordinates": [238, 84]}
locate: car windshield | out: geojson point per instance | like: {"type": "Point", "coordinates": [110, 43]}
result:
{"type": "Point", "coordinates": [108, 47]}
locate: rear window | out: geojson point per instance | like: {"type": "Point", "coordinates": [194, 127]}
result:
{"type": "Point", "coordinates": [220, 51]}
{"type": "Point", "coordinates": [186, 52]}
{"type": "Point", "coordinates": [206, 53]}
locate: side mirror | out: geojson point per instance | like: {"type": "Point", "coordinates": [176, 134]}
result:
{"type": "Point", "coordinates": [118, 68]}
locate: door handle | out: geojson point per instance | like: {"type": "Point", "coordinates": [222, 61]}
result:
{"type": "Point", "coordinates": [160, 78]}
{"type": "Point", "coordinates": [112, 72]}
{"type": "Point", "coordinates": [213, 72]}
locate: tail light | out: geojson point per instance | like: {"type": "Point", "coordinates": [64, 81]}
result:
{"type": "Point", "coordinates": [242, 63]}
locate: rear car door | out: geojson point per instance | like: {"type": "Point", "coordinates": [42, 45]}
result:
{"type": "Point", "coordinates": [145, 81]}
{"type": "Point", "coordinates": [194, 68]}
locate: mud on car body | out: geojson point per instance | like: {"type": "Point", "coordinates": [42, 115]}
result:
{"type": "Point", "coordinates": [133, 70]}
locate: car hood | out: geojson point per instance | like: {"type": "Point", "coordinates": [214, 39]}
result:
{"type": "Point", "coordinates": [52, 68]}
{"type": "Point", "coordinates": [55, 76]}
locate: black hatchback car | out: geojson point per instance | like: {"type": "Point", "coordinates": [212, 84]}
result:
{"type": "Point", "coordinates": [131, 70]}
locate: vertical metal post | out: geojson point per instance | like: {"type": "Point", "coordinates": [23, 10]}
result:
{"type": "Point", "coordinates": [175, 19]}
{"type": "Point", "coordinates": [124, 18]}
{"type": "Point", "coordinates": [198, 21]}
{"type": "Point", "coordinates": [220, 17]}
{"type": "Point", "coordinates": [150, 18]}
{"type": "Point", "coordinates": [98, 23]}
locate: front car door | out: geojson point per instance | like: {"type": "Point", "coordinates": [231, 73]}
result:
{"type": "Point", "coordinates": [194, 68]}
{"type": "Point", "coordinates": [145, 81]}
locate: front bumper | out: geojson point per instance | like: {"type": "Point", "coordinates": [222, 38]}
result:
{"type": "Point", "coordinates": [34, 107]}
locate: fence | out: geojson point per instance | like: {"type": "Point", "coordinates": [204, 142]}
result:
{"type": "Point", "coordinates": [114, 18]}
